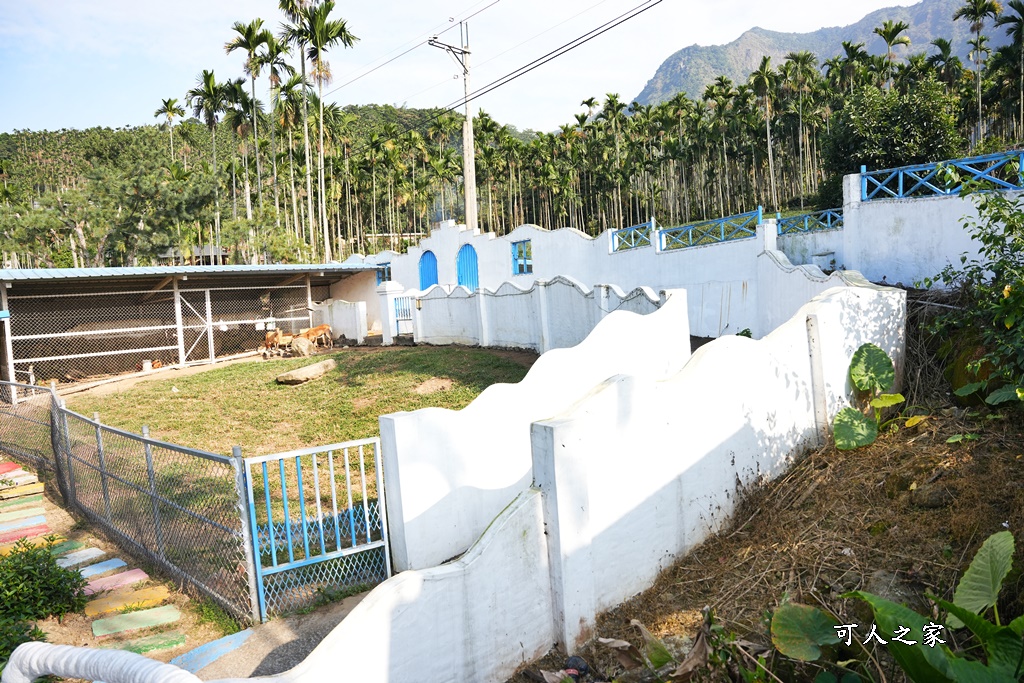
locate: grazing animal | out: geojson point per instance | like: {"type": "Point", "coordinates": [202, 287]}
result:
{"type": "Point", "coordinates": [275, 339]}
{"type": "Point", "coordinates": [319, 335]}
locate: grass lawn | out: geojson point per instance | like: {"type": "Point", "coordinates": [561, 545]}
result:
{"type": "Point", "coordinates": [242, 405]}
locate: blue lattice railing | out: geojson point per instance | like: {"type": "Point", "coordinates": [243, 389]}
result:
{"type": "Point", "coordinates": [829, 219]}
{"type": "Point", "coordinates": [633, 237]}
{"type": "Point", "coordinates": [740, 226]}
{"type": "Point", "coordinates": [1000, 171]}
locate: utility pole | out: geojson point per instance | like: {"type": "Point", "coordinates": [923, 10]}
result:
{"type": "Point", "coordinates": [461, 55]}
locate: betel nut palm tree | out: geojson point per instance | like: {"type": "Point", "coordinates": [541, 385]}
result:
{"type": "Point", "coordinates": [320, 33]}
{"type": "Point", "coordinates": [1014, 24]}
{"type": "Point", "coordinates": [207, 100]}
{"type": "Point", "coordinates": [890, 32]}
{"type": "Point", "coordinates": [171, 109]}
{"type": "Point", "coordinates": [976, 12]}
{"type": "Point", "coordinates": [250, 37]}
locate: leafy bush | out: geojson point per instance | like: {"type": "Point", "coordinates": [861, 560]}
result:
{"type": "Point", "coordinates": [872, 374]}
{"type": "Point", "coordinates": [32, 586]}
{"type": "Point", "coordinates": [880, 129]}
{"type": "Point", "coordinates": [991, 311]}
{"type": "Point", "coordinates": [14, 632]}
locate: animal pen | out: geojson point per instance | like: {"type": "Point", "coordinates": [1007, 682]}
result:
{"type": "Point", "coordinates": [71, 324]}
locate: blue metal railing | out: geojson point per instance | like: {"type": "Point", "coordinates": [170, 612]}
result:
{"type": "Point", "coordinates": [740, 226]}
{"type": "Point", "coordinates": [315, 508]}
{"type": "Point", "coordinates": [992, 171]}
{"type": "Point", "coordinates": [633, 237]}
{"type": "Point", "coordinates": [829, 219]}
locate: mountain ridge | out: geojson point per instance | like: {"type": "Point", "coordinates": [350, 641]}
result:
{"type": "Point", "coordinates": [692, 68]}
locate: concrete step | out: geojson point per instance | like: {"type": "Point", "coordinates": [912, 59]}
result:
{"type": "Point", "coordinates": [147, 618]}
{"type": "Point", "coordinates": [17, 502]}
{"type": "Point", "coordinates": [205, 655]}
{"type": "Point", "coordinates": [6, 467]}
{"type": "Point", "coordinates": [16, 478]}
{"type": "Point", "coordinates": [15, 515]}
{"type": "Point", "coordinates": [122, 580]}
{"type": "Point", "coordinates": [37, 541]}
{"type": "Point", "coordinates": [118, 600]}
{"type": "Point", "coordinates": [34, 520]}
{"type": "Point", "coordinates": [153, 643]}
{"type": "Point", "coordinates": [102, 567]}
{"type": "Point", "coordinates": [26, 532]}
{"type": "Point", "coordinates": [21, 491]}
{"type": "Point", "coordinates": [80, 556]}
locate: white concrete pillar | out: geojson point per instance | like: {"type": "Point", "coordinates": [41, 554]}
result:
{"type": "Point", "coordinates": [603, 301]}
{"type": "Point", "coordinates": [560, 473]}
{"type": "Point", "coordinates": [485, 321]}
{"type": "Point", "coordinates": [545, 313]}
{"type": "Point", "coordinates": [387, 292]}
{"type": "Point", "coordinates": [768, 235]}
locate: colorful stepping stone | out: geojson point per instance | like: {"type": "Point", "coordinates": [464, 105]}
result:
{"type": "Point", "coordinates": [27, 500]}
{"type": "Point", "coordinates": [154, 643]}
{"type": "Point", "coordinates": [6, 467]}
{"type": "Point", "coordinates": [28, 532]}
{"type": "Point", "coordinates": [20, 491]}
{"type": "Point", "coordinates": [63, 546]}
{"type": "Point", "coordinates": [35, 520]}
{"type": "Point", "coordinates": [17, 477]}
{"type": "Point", "coordinates": [205, 655]}
{"type": "Point", "coordinates": [102, 567]}
{"type": "Point", "coordinates": [37, 541]}
{"type": "Point", "coordinates": [109, 583]}
{"type": "Point", "coordinates": [79, 556]}
{"type": "Point", "coordinates": [147, 618]}
{"type": "Point", "coordinates": [115, 602]}
{"type": "Point", "coordinates": [21, 514]}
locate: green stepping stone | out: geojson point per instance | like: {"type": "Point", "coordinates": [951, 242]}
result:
{"type": "Point", "coordinates": [38, 498]}
{"type": "Point", "coordinates": [146, 618]}
{"type": "Point", "coordinates": [154, 643]}
{"type": "Point", "coordinates": [65, 547]}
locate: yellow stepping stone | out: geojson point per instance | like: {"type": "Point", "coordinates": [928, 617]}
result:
{"type": "Point", "coordinates": [19, 491]}
{"type": "Point", "coordinates": [147, 597]}
{"type": "Point", "coordinates": [37, 541]}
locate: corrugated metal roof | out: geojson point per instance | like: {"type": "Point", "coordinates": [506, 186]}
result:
{"type": "Point", "coordinates": [22, 274]}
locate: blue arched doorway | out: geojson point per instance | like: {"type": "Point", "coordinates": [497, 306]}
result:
{"type": "Point", "coordinates": [428, 270]}
{"type": "Point", "coordinates": [465, 265]}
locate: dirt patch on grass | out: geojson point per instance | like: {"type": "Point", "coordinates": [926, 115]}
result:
{"type": "Point", "coordinates": [363, 402]}
{"type": "Point", "coordinates": [433, 385]}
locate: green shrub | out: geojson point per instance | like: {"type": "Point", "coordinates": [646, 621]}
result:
{"type": "Point", "coordinates": [872, 374]}
{"type": "Point", "coordinates": [32, 586]}
{"type": "Point", "coordinates": [14, 632]}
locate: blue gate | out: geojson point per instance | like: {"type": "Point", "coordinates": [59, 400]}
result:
{"type": "Point", "coordinates": [465, 265]}
{"type": "Point", "coordinates": [428, 270]}
{"type": "Point", "coordinates": [319, 523]}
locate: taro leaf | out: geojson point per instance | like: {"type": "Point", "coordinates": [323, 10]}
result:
{"type": "Point", "coordinates": [799, 631]}
{"type": "Point", "coordinates": [886, 400]}
{"type": "Point", "coordinates": [1017, 625]}
{"type": "Point", "coordinates": [979, 588]}
{"type": "Point", "coordinates": [922, 664]}
{"type": "Point", "coordinates": [916, 420]}
{"type": "Point", "coordinates": [1001, 644]}
{"type": "Point", "coordinates": [657, 654]}
{"type": "Point", "coordinates": [1003, 395]}
{"type": "Point", "coordinates": [825, 677]}
{"type": "Point", "coordinates": [871, 369]}
{"type": "Point", "coordinates": [968, 389]}
{"type": "Point", "coordinates": [853, 430]}
{"type": "Point", "coordinates": [628, 655]}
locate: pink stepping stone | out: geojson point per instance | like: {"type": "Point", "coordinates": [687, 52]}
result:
{"type": "Point", "coordinates": [116, 581]}
{"type": "Point", "coordinates": [27, 532]}
{"type": "Point", "coordinates": [6, 467]}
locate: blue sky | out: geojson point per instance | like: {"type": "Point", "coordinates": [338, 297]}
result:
{"type": "Point", "coordinates": [82, 63]}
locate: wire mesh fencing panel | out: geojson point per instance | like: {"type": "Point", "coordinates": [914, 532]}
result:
{"type": "Point", "coordinates": [319, 523]}
{"type": "Point", "coordinates": [26, 431]}
{"type": "Point", "coordinates": [176, 507]}
{"type": "Point", "coordinates": [72, 336]}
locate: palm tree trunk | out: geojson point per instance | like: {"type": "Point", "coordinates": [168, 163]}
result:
{"type": "Point", "coordinates": [216, 195]}
{"type": "Point", "coordinates": [256, 143]}
{"type": "Point", "coordinates": [320, 164]}
{"type": "Point", "coordinates": [305, 136]}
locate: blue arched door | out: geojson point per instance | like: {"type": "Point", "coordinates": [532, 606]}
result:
{"type": "Point", "coordinates": [428, 270]}
{"type": "Point", "coordinates": [465, 265]}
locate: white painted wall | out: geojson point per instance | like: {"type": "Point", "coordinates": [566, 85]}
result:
{"type": "Point", "coordinates": [345, 318]}
{"type": "Point", "coordinates": [361, 287]}
{"type": "Point", "coordinates": [819, 247]}
{"type": "Point", "coordinates": [449, 473]}
{"type": "Point", "coordinates": [548, 315]}
{"type": "Point", "coordinates": [640, 470]}
{"type": "Point", "coordinates": [904, 240]}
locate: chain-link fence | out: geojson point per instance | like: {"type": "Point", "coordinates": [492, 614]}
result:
{"type": "Point", "coordinates": [180, 509]}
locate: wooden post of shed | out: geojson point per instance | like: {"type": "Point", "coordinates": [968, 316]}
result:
{"type": "Point", "coordinates": [8, 344]}
{"type": "Point", "coordinates": [179, 326]}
